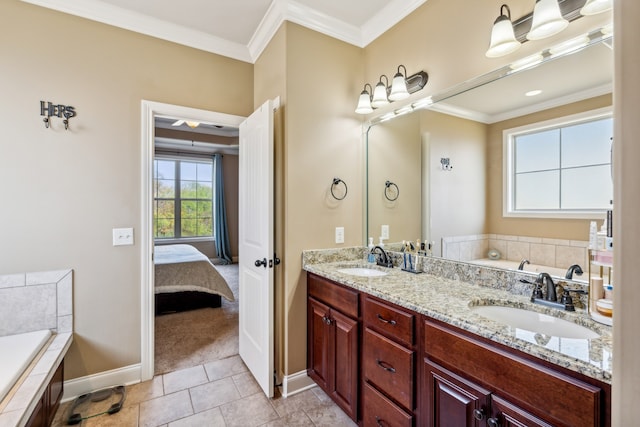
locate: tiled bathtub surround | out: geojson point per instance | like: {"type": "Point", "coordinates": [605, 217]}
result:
{"type": "Point", "coordinates": [447, 291]}
{"type": "Point", "coordinates": [538, 250]}
{"type": "Point", "coordinates": [31, 302]}
{"type": "Point", "coordinates": [34, 301]}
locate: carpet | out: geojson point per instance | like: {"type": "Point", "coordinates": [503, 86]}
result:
{"type": "Point", "coordinates": [191, 338]}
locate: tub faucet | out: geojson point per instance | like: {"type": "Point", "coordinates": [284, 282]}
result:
{"type": "Point", "coordinates": [522, 263]}
{"type": "Point", "coordinates": [383, 259]}
{"type": "Point", "coordinates": [575, 268]}
{"type": "Point", "coordinates": [544, 278]}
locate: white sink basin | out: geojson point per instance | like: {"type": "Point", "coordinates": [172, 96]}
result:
{"type": "Point", "coordinates": [534, 322]}
{"type": "Point", "coordinates": [362, 272]}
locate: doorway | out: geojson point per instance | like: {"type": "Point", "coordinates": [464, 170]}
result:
{"type": "Point", "coordinates": [150, 112]}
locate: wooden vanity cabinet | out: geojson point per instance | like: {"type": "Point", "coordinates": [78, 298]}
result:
{"type": "Point", "coordinates": [333, 341]}
{"type": "Point", "coordinates": [45, 410]}
{"type": "Point", "coordinates": [486, 385]}
{"type": "Point", "coordinates": [388, 364]}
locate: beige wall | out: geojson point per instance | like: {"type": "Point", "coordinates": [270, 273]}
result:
{"type": "Point", "coordinates": [63, 191]}
{"type": "Point", "coordinates": [572, 229]}
{"type": "Point", "coordinates": [626, 231]}
{"type": "Point", "coordinates": [323, 141]}
{"type": "Point", "coordinates": [394, 153]}
{"type": "Point", "coordinates": [457, 197]}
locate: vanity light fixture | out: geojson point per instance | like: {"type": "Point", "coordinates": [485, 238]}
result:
{"type": "Point", "coordinates": [503, 39]}
{"type": "Point", "coordinates": [380, 93]}
{"type": "Point", "coordinates": [364, 102]}
{"type": "Point", "coordinates": [399, 85]}
{"type": "Point", "coordinates": [593, 7]}
{"type": "Point", "coordinates": [547, 20]}
{"type": "Point", "coordinates": [401, 88]}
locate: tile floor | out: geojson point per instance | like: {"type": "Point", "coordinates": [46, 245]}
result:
{"type": "Point", "coordinates": [219, 393]}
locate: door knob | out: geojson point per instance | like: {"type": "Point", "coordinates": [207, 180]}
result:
{"type": "Point", "coordinates": [262, 262]}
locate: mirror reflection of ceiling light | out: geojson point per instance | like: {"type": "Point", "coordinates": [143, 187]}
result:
{"type": "Point", "coordinates": [527, 62]}
{"type": "Point", "coordinates": [533, 92]}
{"type": "Point", "coordinates": [569, 45]}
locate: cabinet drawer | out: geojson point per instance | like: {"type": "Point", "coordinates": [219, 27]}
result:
{"type": "Point", "coordinates": [389, 366]}
{"type": "Point", "coordinates": [548, 394]}
{"type": "Point", "coordinates": [389, 321]}
{"type": "Point", "coordinates": [380, 411]}
{"type": "Point", "coordinates": [333, 294]}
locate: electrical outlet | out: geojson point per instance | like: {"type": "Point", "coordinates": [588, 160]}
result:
{"type": "Point", "coordinates": [384, 232]}
{"type": "Point", "coordinates": [122, 236]}
{"type": "Point", "coordinates": [339, 234]}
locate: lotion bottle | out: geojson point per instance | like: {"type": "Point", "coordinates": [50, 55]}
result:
{"type": "Point", "coordinates": [370, 256]}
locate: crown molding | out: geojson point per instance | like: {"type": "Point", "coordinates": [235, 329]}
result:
{"type": "Point", "coordinates": [96, 10]}
{"type": "Point", "coordinates": [278, 12]}
{"type": "Point", "coordinates": [386, 18]}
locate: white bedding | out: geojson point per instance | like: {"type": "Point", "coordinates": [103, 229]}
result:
{"type": "Point", "coordinates": [180, 268]}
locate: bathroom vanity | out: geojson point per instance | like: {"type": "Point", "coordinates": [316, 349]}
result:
{"type": "Point", "coordinates": [404, 349]}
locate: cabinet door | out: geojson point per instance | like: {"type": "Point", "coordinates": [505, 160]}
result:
{"type": "Point", "coordinates": [452, 401]}
{"type": "Point", "coordinates": [345, 388]}
{"type": "Point", "coordinates": [505, 414]}
{"type": "Point", "coordinates": [320, 354]}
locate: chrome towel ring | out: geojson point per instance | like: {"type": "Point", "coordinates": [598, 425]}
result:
{"type": "Point", "coordinates": [388, 184]}
{"type": "Point", "coordinates": [337, 181]}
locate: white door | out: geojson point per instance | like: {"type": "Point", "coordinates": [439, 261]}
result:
{"type": "Point", "coordinates": [256, 247]}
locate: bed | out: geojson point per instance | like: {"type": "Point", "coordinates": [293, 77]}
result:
{"type": "Point", "coordinates": [185, 279]}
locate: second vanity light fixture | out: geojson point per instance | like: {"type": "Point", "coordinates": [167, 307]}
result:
{"type": "Point", "coordinates": [546, 20]}
{"type": "Point", "coordinates": [401, 87]}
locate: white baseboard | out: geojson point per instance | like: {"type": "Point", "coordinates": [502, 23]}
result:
{"type": "Point", "coordinates": [121, 376]}
{"type": "Point", "coordinates": [296, 383]}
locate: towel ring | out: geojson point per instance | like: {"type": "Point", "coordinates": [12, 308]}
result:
{"type": "Point", "coordinates": [388, 184]}
{"type": "Point", "coordinates": [337, 181]}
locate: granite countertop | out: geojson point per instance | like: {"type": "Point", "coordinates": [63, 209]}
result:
{"type": "Point", "coordinates": [451, 301]}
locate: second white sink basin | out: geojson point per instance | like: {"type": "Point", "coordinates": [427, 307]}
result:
{"type": "Point", "coordinates": [534, 322]}
{"type": "Point", "coordinates": [362, 272]}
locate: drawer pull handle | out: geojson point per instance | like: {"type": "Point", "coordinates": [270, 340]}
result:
{"type": "Point", "coordinates": [386, 366]}
{"type": "Point", "coordinates": [380, 422]}
{"type": "Point", "coordinates": [383, 320]}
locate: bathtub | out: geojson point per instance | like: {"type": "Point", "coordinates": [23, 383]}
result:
{"type": "Point", "coordinates": [529, 268]}
{"type": "Point", "coordinates": [16, 354]}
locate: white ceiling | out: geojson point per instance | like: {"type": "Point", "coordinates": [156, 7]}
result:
{"type": "Point", "coordinates": [240, 29]}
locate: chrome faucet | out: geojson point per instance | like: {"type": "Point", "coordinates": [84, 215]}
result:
{"type": "Point", "coordinates": [544, 278]}
{"type": "Point", "coordinates": [383, 259]}
{"type": "Point", "coordinates": [522, 263]}
{"type": "Point", "coordinates": [575, 268]}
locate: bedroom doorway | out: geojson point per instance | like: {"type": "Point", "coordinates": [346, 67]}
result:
{"type": "Point", "coordinates": [152, 114]}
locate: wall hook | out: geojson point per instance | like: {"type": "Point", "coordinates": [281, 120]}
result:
{"type": "Point", "coordinates": [47, 123]}
{"type": "Point", "coordinates": [335, 182]}
{"type": "Point", "coordinates": [388, 184]}
{"type": "Point", "coordinates": [66, 124]}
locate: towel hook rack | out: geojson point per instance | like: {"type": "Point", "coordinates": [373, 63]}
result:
{"type": "Point", "coordinates": [388, 184]}
{"type": "Point", "coordinates": [337, 181]}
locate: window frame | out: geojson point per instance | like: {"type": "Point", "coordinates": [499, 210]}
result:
{"type": "Point", "coordinates": [185, 158]}
{"type": "Point", "coordinates": [508, 178]}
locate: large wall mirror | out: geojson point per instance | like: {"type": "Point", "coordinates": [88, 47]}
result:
{"type": "Point", "coordinates": [435, 174]}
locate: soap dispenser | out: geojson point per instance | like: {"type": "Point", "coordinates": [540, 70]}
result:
{"type": "Point", "coordinates": [370, 256]}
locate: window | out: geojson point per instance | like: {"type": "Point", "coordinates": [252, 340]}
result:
{"type": "Point", "coordinates": [560, 168]}
{"type": "Point", "coordinates": [183, 198]}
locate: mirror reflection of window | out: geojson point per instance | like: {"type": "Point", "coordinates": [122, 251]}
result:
{"type": "Point", "coordinates": [570, 162]}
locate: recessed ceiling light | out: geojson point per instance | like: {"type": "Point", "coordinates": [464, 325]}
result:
{"type": "Point", "coordinates": [533, 92]}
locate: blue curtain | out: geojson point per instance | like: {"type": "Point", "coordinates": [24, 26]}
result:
{"type": "Point", "coordinates": [220, 231]}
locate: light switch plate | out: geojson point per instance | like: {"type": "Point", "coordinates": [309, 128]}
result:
{"type": "Point", "coordinates": [384, 232]}
{"type": "Point", "coordinates": [339, 234]}
{"type": "Point", "coordinates": [122, 236]}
